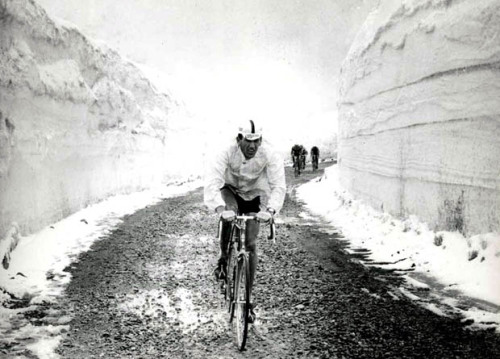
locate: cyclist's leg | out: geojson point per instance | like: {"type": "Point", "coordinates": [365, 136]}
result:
{"type": "Point", "coordinates": [251, 245]}
{"type": "Point", "coordinates": [252, 231]}
{"type": "Point", "coordinates": [296, 164]}
{"type": "Point", "coordinates": [231, 204]}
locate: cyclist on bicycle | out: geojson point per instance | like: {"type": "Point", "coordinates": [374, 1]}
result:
{"type": "Point", "coordinates": [248, 177]}
{"type": "Point", "coordinates": [296, 151]}
{"type": "Point", "coordinates": [303, 155]}
{"type": "Point", "coordinates": [314, 151]}
{"type": "Point", "coordinates": [315, 157]}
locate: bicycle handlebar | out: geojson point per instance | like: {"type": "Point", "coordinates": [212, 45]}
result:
{"type": "Point", "coordinates": [272, 231]}
{"type": "Point", "coordinates": [245, 218]}
{"type": "Point", "coordinates": [272, 226]}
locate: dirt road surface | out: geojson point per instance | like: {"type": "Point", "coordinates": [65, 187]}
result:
{"type": "Point", "coordinates": [146, 291]}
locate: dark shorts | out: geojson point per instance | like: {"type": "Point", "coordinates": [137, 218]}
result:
{"type": "Point", "coordinates": [238, 204]}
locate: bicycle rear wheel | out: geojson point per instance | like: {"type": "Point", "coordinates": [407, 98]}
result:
{"type": "Point", "coordinates": [233, 245]}
{"type": "Point", "coordinates": [242, 301]}
{"type": "Point", "coordinates": [296, 166]}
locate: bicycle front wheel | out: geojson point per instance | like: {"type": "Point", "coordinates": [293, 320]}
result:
{"type": "Point", "coordinates": [296, 168]}
{"type": "Point", "coordinates": [231, 270]}
{"type": "Point", "coordinates": [242, 301]}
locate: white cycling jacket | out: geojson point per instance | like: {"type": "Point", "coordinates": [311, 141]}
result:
{"type": "Point", "coordinates": [262, 175]}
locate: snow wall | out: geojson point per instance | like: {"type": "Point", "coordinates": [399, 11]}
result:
{"type": "Point", "coordinates": [77, 123]}
{"type": "Point", "coordinates": [419, 113]}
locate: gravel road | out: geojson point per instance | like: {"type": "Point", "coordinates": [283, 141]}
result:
{"type": "Point", "coordinates": [146, 291]}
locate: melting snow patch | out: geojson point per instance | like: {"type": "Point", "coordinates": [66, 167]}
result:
{"type": "Point", "coordinates": [408, 294]}
{"type": "Point", "coordinates": [178, 308]}
{"type": "Point", "coordinates": [394, 296]}
{"type": "Point", "coordinates": [483, 319]}
{"type": "Point", "coordinates": [45, 348]}
{"type": "Point", "coordinates": [205, 239]}
{"type": "Point", "coordinates": [433, 308]}
{"type": "Point", "coordinates": [415, 283]}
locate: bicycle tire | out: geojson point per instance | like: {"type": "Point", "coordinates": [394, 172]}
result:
{"type": "Point", "coordinates": [242, 295]}
{"type": "Point", "coordinates": [233, 245]}
{"type": "Point", "coordinates": [296, 167]}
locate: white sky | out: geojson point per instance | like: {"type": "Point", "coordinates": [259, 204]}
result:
{"type": "Point", "coordinates": [272, 60]}
{"type": "Point", "coordinates": [390, 240]}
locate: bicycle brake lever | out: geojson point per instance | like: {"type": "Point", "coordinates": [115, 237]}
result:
{"type": "Point", "coordinates": [219, 229]}
{"type": "Point", "coordinates": [272, 234]}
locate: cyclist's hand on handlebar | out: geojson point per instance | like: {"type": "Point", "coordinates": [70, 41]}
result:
{"type": "Point", "coordinates": [263, 216]}
{"type": "Point", "coordinates": [228, 215]}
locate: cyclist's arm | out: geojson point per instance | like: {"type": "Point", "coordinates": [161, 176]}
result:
{"type": "Point", "coordinates": [220, 209]}
{"type": "Point", "coordinates": [276, 176]}
{"type": "Point", "coordinates": [214, 180]}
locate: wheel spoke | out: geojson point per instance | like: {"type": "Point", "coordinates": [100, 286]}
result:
{"type": "Point", "coordinates": [242, 302]}
{"type": "Point", "coordinates": [231, 272]}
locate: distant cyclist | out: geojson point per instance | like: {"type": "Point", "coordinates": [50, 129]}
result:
{"type": "Point", "coordinates": [296, 152]}
{"type": "Point", "coordinates": [314, 157]}
{"type": "Point", "coordinates": [248, 177]}
{"type": "Point", "coordinates": [303, 156]}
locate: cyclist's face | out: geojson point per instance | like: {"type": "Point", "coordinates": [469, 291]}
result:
{"type": "Point", "coordinates": [249, 148]}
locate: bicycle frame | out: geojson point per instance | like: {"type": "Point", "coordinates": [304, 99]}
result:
{"type": "Point", "coordinates": [272, 231]}
{"type": "Point", "coordinates": [237, 269]}
{"type": "Point", "coordinates": [314, 160]}
{"type": "Point", "coordinates": [240, 223]}
{"type": "Point", "coordinates": [296, 165]}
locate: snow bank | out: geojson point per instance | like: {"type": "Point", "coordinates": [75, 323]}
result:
{"type": "Point", "coordinates": [469, 265]}
{"type": "Point", "coordinates": [419, 113]}
{"type": "Point", "coordinates": [37, 271]}
{"type": "Point", "coordinates": [77, 123]}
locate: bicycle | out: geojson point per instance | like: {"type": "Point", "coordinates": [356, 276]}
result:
{"type": "Point", "coordinates": [296, 165]}
{"type": "Point", "coordinates": [314, 161]}
{"type": "Point", "coordinates": [237, 279]}
{"type": "Point", "coordinates": [303, 162]}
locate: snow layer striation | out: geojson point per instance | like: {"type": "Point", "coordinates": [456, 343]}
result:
{"type": "Point", "coordinates": [419, 112]}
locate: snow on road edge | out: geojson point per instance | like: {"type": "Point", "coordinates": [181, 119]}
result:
{"type": "Point", "coordinates": [464, 265]}
{"type": "Point", "coordinates": [36, 272]}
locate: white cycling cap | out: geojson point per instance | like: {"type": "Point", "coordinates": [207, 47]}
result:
{"type": "Point", "coordinates": [249, 131]}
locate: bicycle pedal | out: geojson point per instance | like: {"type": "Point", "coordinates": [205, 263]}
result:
{"type": "Point", "coordinates": [219, 275]}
